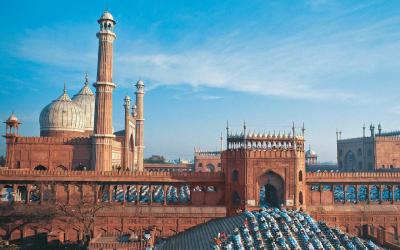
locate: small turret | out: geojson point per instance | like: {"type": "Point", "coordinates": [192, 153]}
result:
{"type": "Point", "coordinates": [379, 129]}
{"type": "Point", "coordinates": [12, 125]}
{"type": "Point", "coordinates": [372, 129]}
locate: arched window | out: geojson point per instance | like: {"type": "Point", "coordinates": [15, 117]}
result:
{"type": "Point", "coordinates": [235, 198]}
{"type": "Point", "coordinates": [301, 198]}
{"type": "Point", "coordinates": [349, 159]}
{"type": "Point", "coordinates": [40, 167]}
{"type": "Point", "coordinates": [235, 175]}
{"type": "Point", "coordinates": [374, 193]}
{"type": "Point", "coordinates": [61, 168]}
{"type": "Point", "coordinates": [210, 167]}
{"type": "Point", "coordinates": [200, 166]}
{"type": "Point", "coordinates": [300, 176]}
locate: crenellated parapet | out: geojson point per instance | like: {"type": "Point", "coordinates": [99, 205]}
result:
{"type": "Point", "coordinates": [263, 141]}
{"type": "Point", "coordinates": [199, 153]}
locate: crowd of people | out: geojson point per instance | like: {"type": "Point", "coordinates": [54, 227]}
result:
{"type": "Point", "coordinates": [273, 228]}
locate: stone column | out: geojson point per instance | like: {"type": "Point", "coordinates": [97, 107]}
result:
{"type": "Point", "coordinates": [392, 188]}
{"type": "Point", "coordinates": [151, 194]}
{"type": "Point", "coordinates": [28, 193]}
{"type": "Point", "coordinates": [41, 192]}
{"type": "Point", "coordinates": [110, 198]}
{"type": "Point", "coordinates": [165, 190]}
{"type": "Point", "coordinates": [138, 187]}
{"type": "Point", "coordinates": [344, 194]}
{"type": "Point", "coordinates": [178, 193]}
{"type": "Point", "coordinates": [124, 189]}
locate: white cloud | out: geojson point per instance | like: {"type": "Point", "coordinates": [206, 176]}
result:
{"type": "Point", "coordinates": [312, 64]}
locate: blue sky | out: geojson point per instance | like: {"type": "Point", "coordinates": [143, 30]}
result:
{"type": "Point", "coordinates": [330, 64]}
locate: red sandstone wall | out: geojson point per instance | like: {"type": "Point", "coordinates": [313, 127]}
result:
{"type": "Point", "coordinates": [50, 152]}
{"type": "Point", "coordinates": [387, 151]}
{"type": "Point", "coordinates": [201, 163]}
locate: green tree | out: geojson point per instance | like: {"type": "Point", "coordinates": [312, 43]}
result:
{"type": "Point", "coordinates": [2, 161]}
{"type": "Point", "coordinates": [155, 159]}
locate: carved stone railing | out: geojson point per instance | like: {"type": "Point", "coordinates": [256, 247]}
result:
{"type": "Point", "coordinates": [353, 177]}
{"type": "Point", "coordinates": [110, 176]}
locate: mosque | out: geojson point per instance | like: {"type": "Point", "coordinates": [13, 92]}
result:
{"type": "Point", "coordinates": [258, 190]}
{"type": "Point", "coordinates": [77, 133]}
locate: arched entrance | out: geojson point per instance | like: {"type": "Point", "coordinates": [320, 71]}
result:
{"type": "Point", "coordinates": [271, 196]}
{"type": "Point", "coordinates": [271, 190]}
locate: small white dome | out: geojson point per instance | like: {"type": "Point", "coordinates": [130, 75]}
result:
{"type": "Point", "coordinates": [106, 16]}
{"type": "Point", "coordinates": [12, 119]}
{"type": "Point", "coordinates": [310, 153]}
{"type": "Point", "coordinates": [86, 99]}
{"type": "Point", "coordinates": [62, 115]}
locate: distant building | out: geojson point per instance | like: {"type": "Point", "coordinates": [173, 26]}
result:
{"type": "Point", "coordinates": [375, 152]}
{"type": "Point", "coordinates": [207, 161]}
{"type": "Point", "coordinates": [311, 157]}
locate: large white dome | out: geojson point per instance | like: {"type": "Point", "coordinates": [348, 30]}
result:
{"type": "Point", "coordinates": [62, 115]}
{"type": "Point", "coordinates": [86, 99]}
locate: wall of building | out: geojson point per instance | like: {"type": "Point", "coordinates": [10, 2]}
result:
{"type": "Point", "coordinates": [50, 152]}
{"type": "Point", "coordinates": [207, 161]}
{"type": "Point", "coordinates": [387, 151]}
{"type": "Point", "coordinates": [356, 154]}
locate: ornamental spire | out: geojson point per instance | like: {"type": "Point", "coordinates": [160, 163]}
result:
{"type": "Point", "coordinates": [86, 79]}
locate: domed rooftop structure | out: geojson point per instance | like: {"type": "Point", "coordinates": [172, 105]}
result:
{"type": "Point", "coordinates": [310, 153]}
{"type": "Point", "coordinates": [107, 16]}
{"type": "Point", "coordinates": [62, 117]}
{"type": "Point", "coordinates": [12, 119]}
{"type": "Point", "coordinates": [86, 99]}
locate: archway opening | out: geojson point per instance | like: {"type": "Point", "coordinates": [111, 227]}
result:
{"type": "Point", "coordinates": [271, 196]}
{"type": "Point", "coordinates": [210, 167]}
{"type": "Point", "coordinates": [271, 190]}
{"type": "Point", "coordinates": [40, 167]}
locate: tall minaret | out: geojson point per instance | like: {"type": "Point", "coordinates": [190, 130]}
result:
{"type": "Point", "coordinates": [139, 124]}
{"type": "Point", "coordinates": [103, 134]}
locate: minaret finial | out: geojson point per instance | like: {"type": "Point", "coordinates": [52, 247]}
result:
{"type": "Point", "coordinates": [86, 79]}
{"type": "Point", "coordinates": [65, 87]}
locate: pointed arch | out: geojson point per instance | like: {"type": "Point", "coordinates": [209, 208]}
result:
{"type": "Point", "coordinates": [40, 168]}
{"type": "Point", "coordinates": [301, 198]}
{"type": "Point", "coordinates": [61, 168]}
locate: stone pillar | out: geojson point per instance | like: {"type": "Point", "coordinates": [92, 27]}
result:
{"type": "Point", "coordinates": [392, 188]}
{"type": "Point", "coordinates": [14, 195]}
{"type": "Point", "coordinates": [28, 193]}
{"type": "Point", "coordinates": [110, 198]}
{"type": "Point", "coordinates": [41, 192]}
{"type": "Point", "coordinates": [138, 187]}
{"type": "Point", "coordinates": [356, 186]}
{"type": "Point", "coordinates": [124, 189]}
{"type": "Point", "coordinates": [103, 131]}
{"type": "Point", "coordinates": [151, 194]}
{"type": "Point", "coordinates": [165, 190]}
{"type": "Point", "coordinates": [95, 188]}
{"type": "Point", "coordinates": [178, 193]}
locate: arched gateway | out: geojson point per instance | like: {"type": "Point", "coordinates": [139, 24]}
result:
{"type": "Point", "coordinates": [271, 189]}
